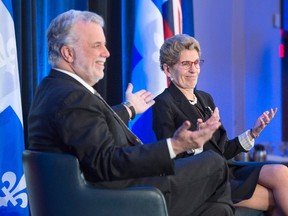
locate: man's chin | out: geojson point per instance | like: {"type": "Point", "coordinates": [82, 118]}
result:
{"type": "Point", "coordinates": [97, 79]}
{"type": "Point", "coordinates": [101, 76]}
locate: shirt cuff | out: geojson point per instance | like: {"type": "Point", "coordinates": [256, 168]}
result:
{"type": "Point", "coordinates": [245, 141]}
{"type": "Point", "coordinates": [170, 148]}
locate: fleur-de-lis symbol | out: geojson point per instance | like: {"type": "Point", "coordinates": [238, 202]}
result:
{"type": "Point", "coordinates": [11, 193]}
{"type": "Point", "coordinates": [8, 64]}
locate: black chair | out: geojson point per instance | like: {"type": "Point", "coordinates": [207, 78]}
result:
{"type": "Point", "coordinates": [57, 188]}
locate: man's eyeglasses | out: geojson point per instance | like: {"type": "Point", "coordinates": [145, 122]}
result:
{"type": "Point", "coordinates": [188, 64]}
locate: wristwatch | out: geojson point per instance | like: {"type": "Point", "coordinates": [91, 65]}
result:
{"type": "Point", "coordinates": [132, 109]}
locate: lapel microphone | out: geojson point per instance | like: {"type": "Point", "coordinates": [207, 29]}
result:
{"type": "Point", "coordinates": [208, 110]}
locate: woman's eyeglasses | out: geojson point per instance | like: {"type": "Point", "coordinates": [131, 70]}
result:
{"type": "Point", "coordinates": [188, 64]}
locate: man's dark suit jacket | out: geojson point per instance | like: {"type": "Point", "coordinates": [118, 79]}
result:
{"type": "Point", "coordinates": [67, 117]}
{"type": "Point", "coordinates": [172, 109]}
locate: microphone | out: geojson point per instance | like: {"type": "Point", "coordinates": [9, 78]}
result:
{"type": "Point", "coordinates": [208, 110]}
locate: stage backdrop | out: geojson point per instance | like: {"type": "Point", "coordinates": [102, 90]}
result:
{"type": "Point", "coordinates": [235, 50]}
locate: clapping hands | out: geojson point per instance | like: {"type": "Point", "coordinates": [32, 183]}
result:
{"type": "Point", "coordinates": [185, 139]}
{"type": "Point", "coordinates": [215, 117]}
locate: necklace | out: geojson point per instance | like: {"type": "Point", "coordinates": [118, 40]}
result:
{"type": "Point", "coordinates": [193, 102]}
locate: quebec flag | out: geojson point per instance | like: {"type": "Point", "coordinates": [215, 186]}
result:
{"type": "Point", "coordinates": [146, 74]}
{"type": "Point", "coordinates": [13, 193]}
{"type": "Point", "coordinates": [155, 21]}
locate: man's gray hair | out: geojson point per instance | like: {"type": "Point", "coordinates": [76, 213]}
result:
{"type": "Point", "coordinates": [59, 31]}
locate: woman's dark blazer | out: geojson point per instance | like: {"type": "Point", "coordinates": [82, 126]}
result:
{"type": "Point", "coordinates": [172, 109]}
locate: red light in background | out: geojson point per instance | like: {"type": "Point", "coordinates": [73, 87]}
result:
{"type": "Point", "coordinates": [281, 50]}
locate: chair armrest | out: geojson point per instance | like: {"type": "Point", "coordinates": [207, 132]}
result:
{"type": "Point", "coordinates": [140, 201]}
{"type": "Point", "coordinates": [56, 187]}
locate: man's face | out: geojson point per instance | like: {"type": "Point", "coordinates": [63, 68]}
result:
{"type": "Point", "coordinates": [90, 52]}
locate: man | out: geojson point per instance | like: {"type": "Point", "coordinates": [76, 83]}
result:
{"type": "Point", "coordinates": [68, 115]}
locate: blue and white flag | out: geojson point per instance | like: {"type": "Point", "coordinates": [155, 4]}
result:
{"type": "Point", "coordinates": [146, 74]}
{"type": "Point", "coordinates": [155, 21]}
{"type": "Point", "coordinates": [13, 193]}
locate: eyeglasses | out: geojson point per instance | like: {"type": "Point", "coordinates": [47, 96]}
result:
{"type": "Point", "coordinates": [188, 64]}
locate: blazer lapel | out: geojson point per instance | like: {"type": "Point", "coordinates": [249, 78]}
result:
{"type": "Point", "coordinates": [206, 106]}
{"type": "Point", "coordinates": [184, 105]}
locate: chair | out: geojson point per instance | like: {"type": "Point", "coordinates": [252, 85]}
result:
{"type": "Point", "coordinates": [56, 188]}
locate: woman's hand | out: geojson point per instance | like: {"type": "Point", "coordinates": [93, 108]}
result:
{"type": "Point", "coordinates": [215, 117]}
{"type": "Point", "coordinates": [263, 121]}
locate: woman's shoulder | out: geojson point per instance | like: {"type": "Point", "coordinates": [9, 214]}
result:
{"type": "Point", "coordinates": [202, 93]}
{"type": "Point", "coordinates": [163, 95]}
{"type": "Point", "coordinates": [204, 96]}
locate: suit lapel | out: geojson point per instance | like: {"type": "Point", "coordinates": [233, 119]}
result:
{"type": "Point", "coordinates": [129, 134]}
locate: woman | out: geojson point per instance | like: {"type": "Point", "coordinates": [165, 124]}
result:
{"type": "Point", "coordinates": [262, 187]}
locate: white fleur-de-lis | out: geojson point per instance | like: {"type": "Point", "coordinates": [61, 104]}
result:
{"type": "Point", "coordinates": [8, 51]}
{"type": "Point", "coordinates": [13, 194]}
{"type": "Point", "coordinates": [8, 65]}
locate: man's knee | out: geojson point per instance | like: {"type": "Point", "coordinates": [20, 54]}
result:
{"type": "Point", "coordinates": [216, 209]}
{"type": "Point", "coordinates": [221, 209]}
{"type": "Point", "coordinates": [216, 158]}
{"type": "Point", "coordinates": [215, 162]}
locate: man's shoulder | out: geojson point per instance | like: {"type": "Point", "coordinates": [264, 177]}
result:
{"type": "Point", "coordinates": [59, 92]}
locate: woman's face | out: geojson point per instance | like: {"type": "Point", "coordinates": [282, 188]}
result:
{"type": "Point", "coordinates": [184, 73]}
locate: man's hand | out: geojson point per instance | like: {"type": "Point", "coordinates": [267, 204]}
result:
{"type": "Point", "coordinates": [184, 139]}
{"type": "Point", "coordinates": [141, 100]}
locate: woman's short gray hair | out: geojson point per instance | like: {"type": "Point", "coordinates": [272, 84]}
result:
{"type": "Point", "coordinates": [59, 31]}
{"type": "Point", "coordinates": [171, 49]}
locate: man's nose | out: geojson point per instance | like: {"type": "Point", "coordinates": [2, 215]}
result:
{"type": "Point", "coordinates": [105, 53]}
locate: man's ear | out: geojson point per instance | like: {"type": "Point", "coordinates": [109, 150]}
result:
{"type": "Point", "coordinates": [67, 54]}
